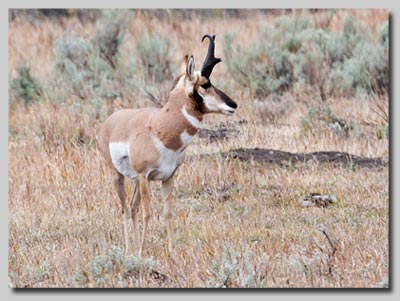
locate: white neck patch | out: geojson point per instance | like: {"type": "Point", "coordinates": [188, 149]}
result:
{"type": "Point", "coordinates": [168, 161]}
{"type": "Point", "coordinates": [192, 120]}
{"type": "Point", "coordinates": [186, 139]}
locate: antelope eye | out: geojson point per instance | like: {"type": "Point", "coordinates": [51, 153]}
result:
{"type": "Point", "coordinates": [206, 85]}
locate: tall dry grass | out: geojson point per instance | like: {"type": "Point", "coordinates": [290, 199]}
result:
{"type": "Point", "coordinates": [237, 224]}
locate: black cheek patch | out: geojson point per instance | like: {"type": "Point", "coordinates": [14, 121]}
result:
{"type": "Point", "coordinates": [197, 98]}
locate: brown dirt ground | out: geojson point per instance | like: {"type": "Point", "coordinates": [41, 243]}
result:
{"type": "Point", "coordinates": [262, 155]}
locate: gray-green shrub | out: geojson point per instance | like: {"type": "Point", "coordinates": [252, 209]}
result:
{"type": "Point", "coordinates": [109, 37]}
{"type": "Point", "coordinates": [73, 63]}
{"type": "Point", "coordinates": [321, 116]}
{"type": "Point", "coordinates": [25, 87]}
{"type": "Point", "coordinates": [235, 269]}
{"type": "Point", "coordinates": [116, 267]}
{"type": "Point", "coordinates": [291, 51]}
{"type": "Point", "coordinates": [90, 68]}
{"type": "Point", "coordinates": [154, 52]}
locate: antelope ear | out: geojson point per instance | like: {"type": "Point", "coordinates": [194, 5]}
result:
{"type": "Point", "coordinates": [190, 68]}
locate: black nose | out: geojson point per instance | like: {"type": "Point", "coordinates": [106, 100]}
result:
{"type": "Point", "coordinates": [229, 102]}
{"type": "Point", "coordinates": [232, 104]}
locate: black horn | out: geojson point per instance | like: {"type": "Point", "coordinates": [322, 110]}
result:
{"type": "Point", "coordinates": [210, 61]}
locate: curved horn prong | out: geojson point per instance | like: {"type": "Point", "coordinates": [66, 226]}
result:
{"type": "Point", "coordinates": [210, 61]}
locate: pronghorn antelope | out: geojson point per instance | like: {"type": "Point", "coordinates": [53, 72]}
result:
{"type": "Point", "coordinates": [148, 144]}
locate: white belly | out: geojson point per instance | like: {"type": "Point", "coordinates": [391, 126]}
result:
{"type": "Point", "coordinates": [168, 161]}
{"type": "Point", "coordinates": [119, 152]}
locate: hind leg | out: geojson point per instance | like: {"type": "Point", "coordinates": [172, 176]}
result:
{"type": "Point", "coordinates": [134, 212]}
{"type": "Point", "coordinates": [120, 186]}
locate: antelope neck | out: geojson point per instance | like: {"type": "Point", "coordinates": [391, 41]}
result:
{"type": "Point", "coordinates": [176, 124]}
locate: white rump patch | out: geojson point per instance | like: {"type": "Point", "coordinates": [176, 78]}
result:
{"type": "Point", "coordinates": [119, 152]}
{"type": "Point", "coordinates": [192, 120]}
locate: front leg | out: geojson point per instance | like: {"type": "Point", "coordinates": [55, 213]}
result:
{"type": "Point", "coordinates": [166, 191]}
{"type": "Point", "coordinates": [135, 203]}
{"type": "Point", "coordinates": [145, 202]}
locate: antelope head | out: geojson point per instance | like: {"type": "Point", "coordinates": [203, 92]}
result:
{"type": "Point", "coordinates": [199, 87]}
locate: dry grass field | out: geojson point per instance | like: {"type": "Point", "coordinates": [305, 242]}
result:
{"type": "Point", "coordinates": [237, 223]}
